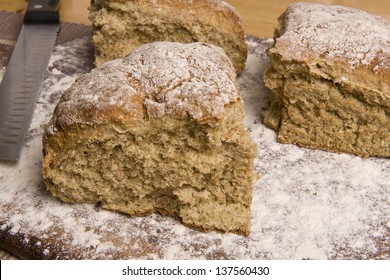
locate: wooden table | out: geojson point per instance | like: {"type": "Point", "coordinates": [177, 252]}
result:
{"type": "Point", "coordinates": [259, 16]}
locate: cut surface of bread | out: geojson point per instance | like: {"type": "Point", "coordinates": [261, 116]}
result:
{"type": "Point", "coordinates": [160, 130]}
{"type": "Point", "coordinates": [121, 26]}
{"type": "Point", "coordinates": [330, 77]}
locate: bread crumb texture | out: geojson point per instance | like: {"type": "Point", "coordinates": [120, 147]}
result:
{"type": "Point", "coordinates": [330, 77]}
{"type": "Point", "coordinates": [158, 131]}
{"type": "Point", "coordinates": [121, 26]}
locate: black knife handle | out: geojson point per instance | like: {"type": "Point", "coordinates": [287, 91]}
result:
{"type": "Point", "coordinates": [42, 11]}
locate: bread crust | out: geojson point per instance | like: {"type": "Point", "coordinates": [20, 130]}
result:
{"type": "Point", "coordinates": [347, 43]}
{"type": "Point", "coordinates": [215, 5]}
{"type": "Point", "coordinates": [119, 91]}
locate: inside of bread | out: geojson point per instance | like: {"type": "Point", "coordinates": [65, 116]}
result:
{"type": "Point", "coordinates": [200, 173]}
{"type": "Point", "coordinates": [128, 25]}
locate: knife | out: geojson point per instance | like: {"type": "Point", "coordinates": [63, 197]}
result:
{"type": "Point", "coordinates": [19, 89]}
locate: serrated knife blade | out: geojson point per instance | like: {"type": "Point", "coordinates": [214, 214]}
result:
{"type": "Point", "coordinates": [19, 89]}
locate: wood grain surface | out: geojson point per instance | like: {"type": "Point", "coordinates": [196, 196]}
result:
{"type": "Point", "coordinates": [259, 16]}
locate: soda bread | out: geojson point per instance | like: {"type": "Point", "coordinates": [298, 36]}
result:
{"type": "Point", "coordinates": [160, 130]}
{"type": "Point", "coordinates": [120, 26]}
{"type": "Point", "coordinates": [330, 77]}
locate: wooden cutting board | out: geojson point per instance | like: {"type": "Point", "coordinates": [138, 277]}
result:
{"type": "Point", "coordinates": [307, 204]}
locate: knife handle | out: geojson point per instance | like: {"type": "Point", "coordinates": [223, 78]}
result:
{"type": "Point", "coordinates": [42, 11]}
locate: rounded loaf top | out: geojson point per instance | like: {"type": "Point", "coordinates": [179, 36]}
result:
{"type": "Point", "coordinates": [158, 79]}
{"type": "Point", "coordinates": [216, 5]}
{"type": "Point", "coordinates": [309, 30]}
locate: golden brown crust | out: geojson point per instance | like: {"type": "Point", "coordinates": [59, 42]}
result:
{"type": "Point", "coordinates": [157, 79]}
{"type": "Point", "coordinates": [352, 43]}
{"type": "Point", "coordinates": [215, 5]}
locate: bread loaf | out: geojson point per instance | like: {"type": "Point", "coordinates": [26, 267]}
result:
{"type": "Point", "coordinates": [121, 26]}
{"type": "Point", "coordinates": [160, 130]}
{"type": "Point", "coordinates": [330, 77]}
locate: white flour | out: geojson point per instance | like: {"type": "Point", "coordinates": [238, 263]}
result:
{"type": "Point", "coordinates": [336, 32]}
{"type": "Point", "coordinates": [306, 204]}
{"type": "Point", "coordinates": [167, 75]}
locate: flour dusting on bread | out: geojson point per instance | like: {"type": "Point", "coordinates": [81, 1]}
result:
{"type": "Point", "coordinates": [336, 32]}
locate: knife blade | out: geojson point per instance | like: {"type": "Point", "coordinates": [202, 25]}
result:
{"type": "Point", "coordinates": [19, 89]}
